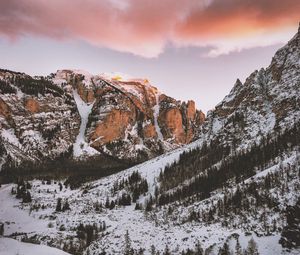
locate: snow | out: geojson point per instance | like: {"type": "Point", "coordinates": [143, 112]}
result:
{"type": "Point", "coordinates": [158, 227]}
{"type": "Point", "coordinates": [9, 136]}
{"type": "Point", "coordinates": [155, 228]}
{"type": "Point", "coordinates": [156, 114]}
{"type": "Point", "coordinates": [116, 75]}
{"type": "Point", "coordinates": [217, 125]}
{"type": "Point", "coordinates": [19, 94]}
{"type": "Point", "coordinates": [87, 81]}
{"type": "Point", "coordinates": [20, 220]}
{"type": "Point", "coordinates": [10, 246]}
{"type": "Point", "coordinates": [81, 147]}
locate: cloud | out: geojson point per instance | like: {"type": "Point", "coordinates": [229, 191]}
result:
{"type": "Point", "coordinates": [144, 27]}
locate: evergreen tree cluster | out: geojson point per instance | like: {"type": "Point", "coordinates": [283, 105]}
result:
{"type": "Point", "coordinates": [253, 199]}
{"type": "Point", "coordinates": [62, 206]}
{"type": "Point", "coordinates": [74, 182]}
{"type": "Point", "coordinates": [251, 249]}
{"type": "Point", "coordinates": [290, 237]}
{"type": "Point", "coordinates": [123, 200]}
{"type": "Point", "coordinates": [239, 166]}
{"type": "Point", "coordinates": [49, 133]}
{"type": "Point", "coordinates": [32, 86]}
{"type": "Point", "coordinates": [1, 229]}
{"type": "Point", "coordinates": [89, 233]}
{"type": "Point", "coordinates": [193, 162]}
{"type": "Point", "coordinates": [98, 206]}
{"type": "Point", "coordinates": [134, 184]}
{"type": "Point", "coordinates": [5, 87]}
{"type": "Point", "coordinates": [22, 191]}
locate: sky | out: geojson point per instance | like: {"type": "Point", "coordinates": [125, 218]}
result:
{"type": "Point", "coordinates": [189, 49]}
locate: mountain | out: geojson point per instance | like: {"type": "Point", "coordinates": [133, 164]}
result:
{"type": "Point", "coordinates": [255, 123]}
{"type": "Point", "coordinates": [234, 190]}
{"type": "Point", "coordinates": [73, 115]}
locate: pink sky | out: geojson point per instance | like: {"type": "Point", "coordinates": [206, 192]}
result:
{"type": "Point", "coordinates": [170, 41]}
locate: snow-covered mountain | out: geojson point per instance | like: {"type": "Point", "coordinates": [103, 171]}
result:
{"type": "Point", "coordinates": [72, 114]}
{"type": "Point", "coordinates": [235, 190]}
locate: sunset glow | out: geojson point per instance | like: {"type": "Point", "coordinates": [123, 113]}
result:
{"type": "Point", "coordinates": [137, 30]}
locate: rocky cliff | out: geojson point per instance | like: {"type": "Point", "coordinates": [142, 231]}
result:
{"type": "Point", "coordinates": [266, 104]}
{"type": "Point", "coordinates": [73, 114]}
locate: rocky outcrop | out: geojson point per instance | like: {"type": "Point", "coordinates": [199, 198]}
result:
{"type": "Point", "coordinates": [32, 105]}
{"type": "Point", "coordinates": [267, 102]}
{"type": "Point", "coordinates": [87, 94]}
{"type": "Point", "coordinates": [173, 125]}
{"type": "Point", "coordinates": [179, 121]}
{"type": "Point", "coordinates": [135, 114]}
{"type": "Point", "coordinates": [4, 109]}
{"type": "Point", "coordinates": [38, 120]}
{"type": "Point", "coordinates": [112, 128]}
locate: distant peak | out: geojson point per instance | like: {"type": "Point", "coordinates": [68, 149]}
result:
{"type": "Point", "coordinates": [75, 71]}
{"type": "Point", "coordinates": [238, 82]}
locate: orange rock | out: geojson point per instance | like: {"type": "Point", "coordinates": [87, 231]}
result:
{"type": "Point", "coordinates": [32, 105]}
{"type": "Point", "coordinates": [191, 110]}
{"type": "Point", "coordinates": [4, 109]}
{"type": "Point", "coordinates": [149, 131]}
{"type": "Point", "coordinates": [200, 117]}
{"type": "Point", "coordinates": [112, 127]}
{"type": "Point", "coordinates": [86, 94]}
{"type": "Point", "coordinates": [173, 123]}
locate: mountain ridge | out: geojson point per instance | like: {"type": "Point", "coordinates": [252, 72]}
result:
{"type": "Point", "coordinates": [91, 116]}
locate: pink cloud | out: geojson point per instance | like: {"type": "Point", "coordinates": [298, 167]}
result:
{"type": "Point", "coordinates": [144, 27]}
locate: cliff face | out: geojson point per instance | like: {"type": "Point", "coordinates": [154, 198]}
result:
{"type": "Point", "coordinates": [130, 118]}
{"type": "Point", "coordinates": [37, 119]}
{"type": "Point", "coordinates": [77, 115]}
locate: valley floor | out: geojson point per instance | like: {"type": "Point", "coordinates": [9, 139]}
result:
{"type": "Point", "coordinates": [39, 222]}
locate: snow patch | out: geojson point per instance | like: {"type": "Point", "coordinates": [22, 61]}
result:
{"type": "Point", "coordinates": [156, 114]}
{"type": "Point", "coordinates": [10, 246]}
{"type": "Point", "coordinates": [9, 136]}
{"type": "Point", "coordinates": [81, 147]}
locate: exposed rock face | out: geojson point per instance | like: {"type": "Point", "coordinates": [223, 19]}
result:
{"type": "Point", "coordinates": [135, 118]}
{"type": "Point", "coordinates": [173, 126]}
{"type": "Point", "coordinates": [38, 120]}
{"type": "Point", "coordinates": [112, 128]}
{"type": "Point", "coordinates": [4, 109]}
{"type": "Point", "coordinates": [266, 102]}
{"type": "Point", "coordinates": [191, 110]}
{"type": "Point", "coordinates": [149, 131]}
{"type": "Point", "coordinates": [32, 105]}
{"type": "Point", "coordinates": [127, 119]}
{"type": "Point", "coordinates": [180, 121]}
{"type": "Point", "coordinates": [87, 94]}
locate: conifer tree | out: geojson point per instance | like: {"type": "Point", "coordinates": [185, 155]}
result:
{"type": "Point", "coordinates": [199, 250]}
{"type": "Point", "coordinates": [66, 206]}
{"type": "Point", "coordinates": [1, 229]}
{"type": "Point", "coordinates": [238, 248]}
{"type": "Point", "coordinates": [224, 250]}
{"type": "Point", "coordinates": [167, 250]}
{"type": "Point", "coordinates": [58, 205]}
{"type": "Point", "coordinates": [252, 248]}
{"type": "Point", "coordinates": [128, 249]}
{"type": "Point", "coordinates": [153, 250]}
